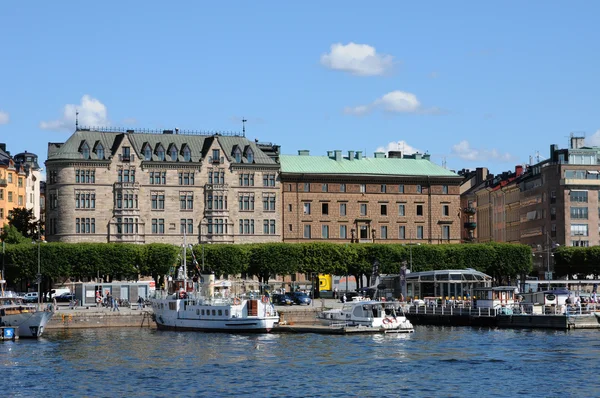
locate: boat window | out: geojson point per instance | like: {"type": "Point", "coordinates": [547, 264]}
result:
{"type": "Point", "coordinates": [197, 312]}
{"type": "Point", "coordinates": [214, 312]}
{"type": "Point", "coordinates": [220, 312]}
{"type": "Point", "coordinates": [226, 312]}
{"type": "Point", "coordinates": [202, 312]}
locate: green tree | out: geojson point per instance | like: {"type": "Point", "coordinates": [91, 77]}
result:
{"type": "Point", "coordinates": [10, 234]}
{"type": "Point", "coordinates": [24, 221]}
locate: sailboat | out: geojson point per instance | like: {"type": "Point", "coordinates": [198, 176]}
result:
{"type": "Point", "coordinates": [190, 305]}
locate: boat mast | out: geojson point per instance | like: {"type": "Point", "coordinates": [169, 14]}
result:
{"type": "Point", "coordinates": [184, 260]}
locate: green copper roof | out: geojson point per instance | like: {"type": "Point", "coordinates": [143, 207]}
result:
{"type": "Point", "coordinates": [373, 166]}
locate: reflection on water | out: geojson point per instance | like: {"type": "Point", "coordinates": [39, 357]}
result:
{"type": "Point", "coordinates": [432, 361]}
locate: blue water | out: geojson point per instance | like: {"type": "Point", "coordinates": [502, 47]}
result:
{"type": "Point", "coordinates": [434, 361]}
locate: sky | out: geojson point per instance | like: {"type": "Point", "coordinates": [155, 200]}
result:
{"type": "Point", "coordinates": [472, 83]}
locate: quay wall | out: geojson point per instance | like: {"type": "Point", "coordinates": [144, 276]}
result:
{"type": "Point", "coordinates": [82, 319]}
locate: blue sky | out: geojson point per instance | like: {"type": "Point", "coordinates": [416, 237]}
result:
{"type": "Point", "coordinates": [472, 83]}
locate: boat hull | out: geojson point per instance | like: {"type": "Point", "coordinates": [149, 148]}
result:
{"type": "Point", "coordinates": [30, 324]}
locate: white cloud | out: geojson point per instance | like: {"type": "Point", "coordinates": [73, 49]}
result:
{"type": "Point", "coordinates": [464, 151]}
{"type": "Point", "coordinates": [393, 102]}
{"type": "Point", "coordinates": [401, 146]}
{"type": "Point", "coordinates": [92, 112]}
{"type": "Point", "coordinates": [4, 117]}
{"type": "Point", "coordinates": [594, 139]}
{"type": "Point", "coordinates": [358, 59]}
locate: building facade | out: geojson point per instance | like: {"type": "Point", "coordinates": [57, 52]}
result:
{"type": "Point", "coordinates": [27, 166]}
{"type": "Point", "coordinates": [12, 186]}
{"type": "Point", "coordinates": [351, 199]}
{"type": "Point", "coordinates": [146, 187]}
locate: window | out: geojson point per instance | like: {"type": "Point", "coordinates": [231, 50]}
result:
{"type": "Point", "coordinates": [186, 201]}
{"type": "Point", "coordinates": [343, 209]}
{"type": "Point", "coordinates": [402, 232]}
{"type": "Point", "coordinates": [158, 200]}
{"type": "Point", "coordinates": [147, 153]}
{"type": "Point", "coordinates": [238, 155]}
{"type": "Point", "coordinates": [579, 196]}
{"type": "Point", "coordinates": [579, 213]}
{"type": "Point", "coordinates": [446, 232]}
{"type": "Point", "coordinates": [186, 178]}
{"type": "Point", "coordinates": [100, 152]}
{"type": "Point", "coordinates": [269, 201]}
{"type": "Point", "coordinates": [173, 153]}
{"type": "Point", "coordinates": [325, 231]}
{"type": "Point", "coordinates": [160, 153]}
{"type": "Point", "coordinates": [580, 243]}
{"type": "Point", "coordinates": [306, 187]}
{"type": "Point", "coordinates": [20, 200]}
{"type": "Point", "coordinates": [363, 188]}
{"type": "Point", "coordinates": [290, 207]}
{"type": "Point", "coordinates": [384, 210]}
{"type": "Point", "coordinates": [419, 210]}
{"type": "Point", "coordinates": [445, 210]}
{"type": "Point", "coordinates": [401, 210]}
{"type": "Point", "coordinates": [10, 178]}
{"type": "Point", "coordinates": [324, 209]}
{"type": "Point", "coordinates": [216, 226]}
{"type": "Point", "coordinates": [246, 201]}
{"type": "Point", "coordinates": [126, 153]}
{"type": "Point", "coordinates": [85, 151]}
{"type": "Point", "coordinates": [247, 227]}
{"type": "Point", "coordinates": [86, 200]}
{"type": "Point", "coordinates": [553, 213]}
{"type": "Point", "coordinates": [384, 232]}
{"type": "Point", "coordinates": [383, 188]}
{"type": "Point", "coordinates": [158, 226]}
{"type": "Point", "coordinates": [419, 189]}
{"type": "Point", "coordinates": [269, 227]}
{"type": "Point", "coordinates": [363, 209]}
{"type": "Point", "coordinates": [343, 231]}
{"type": "Point", "coordinates": [269, 180]}
{"type": "Point", "coordinates": [306, 208]}
{"type": "Point", "coordinates": [219, 202]}
{"type": "Point", "coordinates": [250, 156]}
{"type": "Point", "coordinates": [158, 177]}
{"type": "Point", "coordinates": [307, 231]}
{"type": "Point", "coordinates": [187, 155]}
{"type": "Point", "coordinates": [401, 188]}
{"type": "Point", "coordinates": [85, 225]}
{"type": "Point", "coordinates": [579, 230]}
{"type": "Point", "coordinates": [1, 194]}
{"type": "Point", "coordinates": [216, 156]}
{"type": "Point", "coordinates": [247, 180]}
{"type": "Point", "coordinates": [324, 187]}
{"type": "Point", "coordinates": [10, 196]}
{"type": "Point", "coordinates": [186, 226]}
{"type": "Point", "coordinates": [20, 183]}
{"type": "Point", "coordinates": [85, 176]}
{"type": "Point", "coordinates": [419, 232]}
{"type": "Point", "coordinates": [342, 187]}
{"type": "Point", "coordinates": [445, 189]}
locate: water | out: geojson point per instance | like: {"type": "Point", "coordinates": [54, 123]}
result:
{"type": "Point", "coordinates": [434, 361]}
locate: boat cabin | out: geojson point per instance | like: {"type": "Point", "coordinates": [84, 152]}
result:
{"type": "Point", "coordinates": [493, 297]}
{"type": "Point", "coordinates": [548, 297]}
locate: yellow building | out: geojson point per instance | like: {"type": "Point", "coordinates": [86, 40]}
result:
{"type": "Point", "coordinates": [12, 186]}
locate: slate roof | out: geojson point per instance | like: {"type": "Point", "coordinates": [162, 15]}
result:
{"type": "Point", "coordinates": [198, 144]}
{"type": "Point", "coordinates": [369, 166]}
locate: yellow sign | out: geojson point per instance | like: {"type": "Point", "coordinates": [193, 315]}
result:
{"type": "Point", "coordinates": [324, 282]}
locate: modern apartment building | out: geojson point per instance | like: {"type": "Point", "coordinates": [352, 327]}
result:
{"type": "Point", "coordinates": [345, 199]}
{"type": "Point", "coordinates": [143, 187]}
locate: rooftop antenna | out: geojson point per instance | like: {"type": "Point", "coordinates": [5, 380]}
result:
{"type": "Point", "coordinates": [443, 161]}
{"type": "Point", "coordinates": [244, 126]}
{"type": "Point", "coordinates": [76, 119]}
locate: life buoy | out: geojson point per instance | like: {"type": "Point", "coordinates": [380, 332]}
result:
{"type": "Point", "coordinates": [264, 299]}
{"type": "Point", "coordinates": [236, 301]}
{"type": "Point", "coordinates": [387, 320]}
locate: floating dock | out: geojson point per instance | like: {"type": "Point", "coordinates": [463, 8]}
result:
{"type": "Point", "coordinates": [322, 329]}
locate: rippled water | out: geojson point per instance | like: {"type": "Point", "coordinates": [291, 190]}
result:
{"type": "Point", "coordinates": [434, 361]}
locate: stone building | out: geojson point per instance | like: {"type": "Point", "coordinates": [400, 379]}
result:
{"type": "Point", "coordinates": [344, 199]}
{"type": "Point", "coordinates": [146, 187]}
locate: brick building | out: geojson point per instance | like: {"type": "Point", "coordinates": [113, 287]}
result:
{"type": "Point", "coordinates": [146, 187]}
{"type": "Point", "coordinates": [344, 199]}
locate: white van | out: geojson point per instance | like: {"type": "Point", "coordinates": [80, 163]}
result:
{"type": "Point", "coordinates": [30, 297]}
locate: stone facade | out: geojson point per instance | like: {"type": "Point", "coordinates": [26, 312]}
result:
{"type": "Point", "coordinates": [146, 188]}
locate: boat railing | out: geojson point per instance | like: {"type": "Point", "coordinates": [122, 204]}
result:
{"type": "Point", "coordinates": [450, 310]}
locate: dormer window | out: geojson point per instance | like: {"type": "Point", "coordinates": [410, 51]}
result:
{"type": "Point", "coordinates": [187, 156]}
{"type": "Point", "coordinates": [100, 151]}
{"type": "Point", "coordinates": [85, 151]}
{"type": "Point", "coordinates": [160, 153]}
{"type": "Point", "coordinates": [238, 155]}
{"type": "Point", "coordinates": [173, 154]}
{"type": "Point", "coordinates": [147, 153]}
{"type": "Point", "coordinates": [250, 155]}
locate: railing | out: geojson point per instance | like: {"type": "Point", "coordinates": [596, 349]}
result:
{"type": "Point", "coordinates": [450, 310]}
{"type": "Point", "coordinates": [127, 185]}
{"type": "Point", "coordinates": [124, 158]}
{"type": "Point", "coordinates": [104, 129]}
{"type": "Point", "coordinates": [3, 182]}
{"type": "Point", "coordinates": [470, 210]}
{"type": "Point", "coordinates": [470, 225]}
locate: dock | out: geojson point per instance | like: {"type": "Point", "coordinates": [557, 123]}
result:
{"type": "Point", "coordinates": [334, 329]}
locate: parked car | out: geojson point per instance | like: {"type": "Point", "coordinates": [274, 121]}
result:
{"type": "Point", "coordinates": [30, 297]}
{"type": "Point", "coordinates": [64, 297]}
{"type": "Point", "coordinates": [301, 298]}
{"type": "Point", "coordinates": [282, 299]}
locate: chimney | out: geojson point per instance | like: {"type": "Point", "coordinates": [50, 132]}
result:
{"type": "Point", "coordinates": [350, 155]}
{"type": "Point", "coordinates": [482, 174]}
{"type": "Point", "coordinates": [330, 154]}
{"type": "Point", "coordinates": [130, 131]}
{"type": "Point", "coordinates": [518, 170]}
{"type": "Point", "coordinates": [359, 155]}
{"type": "Point", "coordinates": [338, 155]}
{"type": "Point", "coordinates": [303, 152]}
{"type": "Point", "coordinates": [379, 155]}
{"type": "Point", "coordinates": [167, 131]}
{"type": "Point", "coordinates": [395, 154]}
{"type": "Point", "coordinates": [577, 142]}
{"type": "Point", "coordinates": [3, 146]}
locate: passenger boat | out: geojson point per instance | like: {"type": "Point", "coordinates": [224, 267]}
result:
{"type": "Point", "coordinates": [383, 315]}
{"type": "Point", "coordinates": [190, 305]}
{"type": "Point", "coordinates": [27, 318]}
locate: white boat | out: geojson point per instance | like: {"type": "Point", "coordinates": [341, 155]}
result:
{"type": "Point", "coordinates": [29, 320]}
{"type": "Point", "coordinates": [367, 313]}
{"type": "Point", "coordinates": [188, 305]}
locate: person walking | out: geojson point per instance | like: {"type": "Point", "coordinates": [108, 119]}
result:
{"type": "Point", "coordinates": [116, 305]}
{"type": "Point", "coordinates": [140, 302]}
{"type": "Point", "coordinates": [335, 293]}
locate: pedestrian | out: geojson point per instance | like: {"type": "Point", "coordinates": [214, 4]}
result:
{"type": "Point", "coordinates": [344, 298]}
{"type": "Point", "coordinates": [140, 302]}
{"type": "Point", "coordinates": [115, 305]}
{"type": "Point", "coordinates": [54, 303]}
{"type": "Point", "coordinates": [98, 298]}
{"type": "Point", "coordinates": [335, 293]}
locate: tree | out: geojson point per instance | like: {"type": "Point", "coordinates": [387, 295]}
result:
{"type": "Point", "coordinates": [24, 221]}
{"type": "Point", "coordinates": [11, 234]}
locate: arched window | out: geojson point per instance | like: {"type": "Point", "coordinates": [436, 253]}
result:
{"type": "Point", "coordinates": [187, 156]}
{"type": "Point", "coordinates": [100, 151]}
{"type": "Point", "coordinates": [238, 155]}
{"type": "Point", "coordinates": [147, 153]}
{"type": "Point", "coordinates": [85, 151]}
{"type": "Point", "coordinates": [173, 153]}
{"type": "Point", "coordinates": [160, 153]}
{"type": "Point", "coordinates": [250, 156]}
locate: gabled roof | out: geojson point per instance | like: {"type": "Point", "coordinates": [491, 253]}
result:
{"type": "Point", "coordinates": [298, 164]}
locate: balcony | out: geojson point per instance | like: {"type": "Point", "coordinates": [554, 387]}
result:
{"type": "Point", "coordinates": [216, 160]}
{"type": "Point", "coordinates": [127, 185]}
{"type": "Point", "coordinates": [3, 182]}
{"type": "Point", "coordinates": [216, 187]}
{"type": "Point", "coordinates": [470, 225]}
{"type": "Point", "coordinates": [125, 158]}
{"type": "Point", "coordinates": [470, 210]}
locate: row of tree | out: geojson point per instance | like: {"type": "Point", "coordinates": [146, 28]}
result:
{"type": "Point", "coordinates": [577, 262]}
{"type": "Point", "coordinates": [128, 261]}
